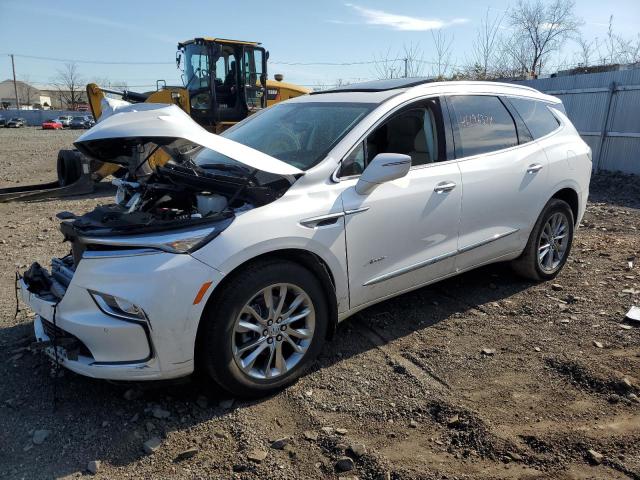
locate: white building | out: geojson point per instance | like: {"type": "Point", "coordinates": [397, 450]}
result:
{"type": "Point", "coordinates": [30, 98]}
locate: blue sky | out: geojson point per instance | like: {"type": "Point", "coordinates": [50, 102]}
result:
{"type": "Point", "coordinates": [293, 31]}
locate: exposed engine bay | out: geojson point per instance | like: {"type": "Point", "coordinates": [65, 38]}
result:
{"type": "Point", "coordinates": [179, 194]}
{"type": "Point", "coordinates": [176, 180]}
{"type": "Point", "coordinates": [195, 187]}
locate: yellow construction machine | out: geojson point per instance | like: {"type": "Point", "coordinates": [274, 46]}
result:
{"type": "Point", "coordinates": [224, 81]}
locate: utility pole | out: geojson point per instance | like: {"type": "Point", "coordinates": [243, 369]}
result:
{"type": "Point", "coordinates": [15, 87]}
{"type": "Point", "coordinates": [405, 67]}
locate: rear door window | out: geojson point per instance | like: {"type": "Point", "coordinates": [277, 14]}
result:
{"type": "Point", "coordinates": [536, 115]}
{"type": "Point", "coordinates": [483, 124]}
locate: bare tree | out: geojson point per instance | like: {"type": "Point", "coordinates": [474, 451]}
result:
{"type": "Point", "coordinates": [542, 28]}
{"type": "Point", "coordinates": [407, 63]}
{"type": "Point", "coordinates": [413, 61]}
{"type": "Point", "coordinates": [70, 85]}
{"type": "Point", "coordinates": [630, 49]}
{"type": "Point", "coordinates": [518, 57]}
{"type": "Point", "coordinates": [585, 52]}
{"type": "Point", "coordinates": [442, 53]}
{"type": "Point", "coordinates": [27, 92]}
{"type": "Point", "coordinates": [385, 65]}
{"type": "Point", "coordinates": [615, 49]}
{"type": "Point", "coordinates": [487, 52]}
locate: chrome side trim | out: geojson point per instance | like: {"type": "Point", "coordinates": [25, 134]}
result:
{"type": "Point", "coordinates": [134, 252]}
{"type": "Point", "coordinates": [439, 258]}
{"type": "Point", "coordinates": [482, 243]}
{"type": "Point", "coordinates": [410, 268]}
{"type": "Point", "coordinates": [313, 222]}
{"type": "Point", "coordinates": [356, 210]}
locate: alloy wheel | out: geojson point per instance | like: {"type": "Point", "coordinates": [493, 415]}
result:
{"type": "Point", "coordinates": [273, 331]}
{"type": "Point", "coordinates": [553, 242]}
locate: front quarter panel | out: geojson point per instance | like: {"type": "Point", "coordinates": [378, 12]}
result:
{"type": "Point", "coordinates": [277, 226]}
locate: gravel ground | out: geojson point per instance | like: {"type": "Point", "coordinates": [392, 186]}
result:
{"type": "Point", "coordinates": [479, 377]}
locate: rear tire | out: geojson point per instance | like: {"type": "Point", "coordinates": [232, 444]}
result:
{"type": "Point", "coordinates": [549, 244]}
{"type": "Point", "coordinates": [287, 339]}
{"type": "Point", "coordinates": [69, 167]}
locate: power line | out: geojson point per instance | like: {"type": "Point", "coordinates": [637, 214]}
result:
{"type": "Point", "coordinates": [96, 62]}
{"type": "Point", "coordinates": [273, 62]}
{"type": "Point", "coordinates": [335, 64]}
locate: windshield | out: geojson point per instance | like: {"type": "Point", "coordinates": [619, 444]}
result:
{"type": "Point", "coordinates": [196, 67]}
{"type": "Point", "coordinates": [300, 134]}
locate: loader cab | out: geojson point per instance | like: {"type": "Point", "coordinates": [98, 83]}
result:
{"type": "Point", "coordinates": [226, 80]}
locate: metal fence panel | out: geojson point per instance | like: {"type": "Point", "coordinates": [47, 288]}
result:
{"type": "Point", "coordinates": [584, 109]}
{"type": "Point", "coordinates": [621, 154]}
{"type": "Point", "coordinates": [623, 117]}
{"type": "Point", "coordinates": [603, 106]}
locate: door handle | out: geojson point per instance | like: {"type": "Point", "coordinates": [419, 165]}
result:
{"type": "Point", "coordinates": [444, 187]}
{"type": "Point", "coordinates": [534, 167]}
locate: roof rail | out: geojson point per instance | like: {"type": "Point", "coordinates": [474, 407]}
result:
{"type": "Point", "coordinates": [378, 85]}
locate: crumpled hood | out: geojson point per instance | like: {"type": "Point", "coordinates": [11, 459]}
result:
{"type": "Point", "coordinates": [168, 125]}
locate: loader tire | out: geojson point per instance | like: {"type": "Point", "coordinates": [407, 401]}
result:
{"type": "Point", "coordinates": [69, 167]}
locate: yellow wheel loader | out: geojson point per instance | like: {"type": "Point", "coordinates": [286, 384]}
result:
{"type": "Point", "coordinates": [224, 81]}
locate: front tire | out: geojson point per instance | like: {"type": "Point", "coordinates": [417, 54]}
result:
{"type": "Point", "coordinates": [549, 244]}
{"type": "Point", "coordinates": [264, 329]}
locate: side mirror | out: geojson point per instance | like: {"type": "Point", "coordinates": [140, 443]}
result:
{"type": "Point", "coordinates": [383, 168]}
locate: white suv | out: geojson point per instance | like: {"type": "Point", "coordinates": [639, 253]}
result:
{"type": "Point", "coordinates": [240, 254]}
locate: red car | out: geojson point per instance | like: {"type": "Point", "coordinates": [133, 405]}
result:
{"type": "Point", "coordinates": [51, 125]}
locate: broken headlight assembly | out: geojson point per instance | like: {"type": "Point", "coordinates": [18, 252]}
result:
{"type": "Point", "coordinates": [118, 307]}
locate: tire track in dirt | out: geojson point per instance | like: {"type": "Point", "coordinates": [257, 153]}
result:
{"type": "Point", "coordinates": [465, 427]}
{"type": "Point", "coordinates": [539, 459]}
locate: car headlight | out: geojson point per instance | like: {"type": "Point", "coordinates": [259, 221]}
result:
{"type": "Point", "coordinates": [118, 307]}
{"type": "Point", "coordinates": [185, 241]}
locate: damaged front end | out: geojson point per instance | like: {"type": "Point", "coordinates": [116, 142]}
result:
{"type": "Point", "coordinates": [183, 187]}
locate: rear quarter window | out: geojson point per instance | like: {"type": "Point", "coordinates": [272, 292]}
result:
{"type": "Point", "coordinates": [536, 115]}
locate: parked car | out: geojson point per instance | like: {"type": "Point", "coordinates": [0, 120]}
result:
{"type": "Point", "coordinates": [241, 256]}
{"type": "Point", "coordinates": [65, 120]}
{"type": "Point", "coordinates": [16, 122]}
{"type": "Point", "coordinates": [52, 124]}
{"type": "Point", "coordinates": [82, 122]}
{"type": "Point", "coordinates": [3, 122]}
